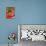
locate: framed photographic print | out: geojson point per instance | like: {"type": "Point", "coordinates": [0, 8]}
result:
{"type": "Point", "coordinates": [10, 12]}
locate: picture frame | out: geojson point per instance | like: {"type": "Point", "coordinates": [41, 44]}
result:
{"type": "Point", "coordinates": [10, 12]}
